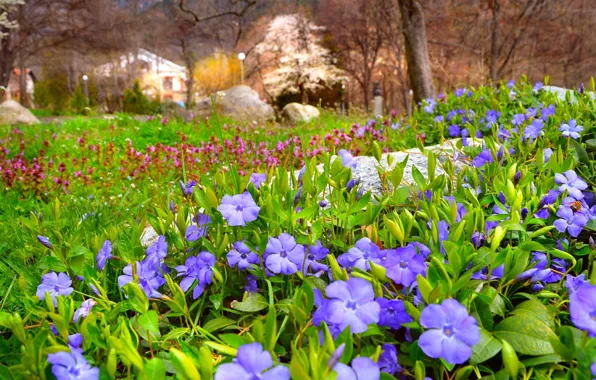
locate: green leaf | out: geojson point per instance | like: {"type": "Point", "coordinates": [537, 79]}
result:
{"type": "Point", "coordinates": [176, 333]}
{"type": "Point", "coordinates": [527, 334]}
{"type": "Point", "coordinates": [137, 297]}
{"type": "Point", "coordinates": [582, 155]}
{"type": "Point", "coordinates": [184, 365]}
{"type": "Point", "coordinates": [155, 369]}
{"type": "Point", "coordinates": [218, 323]}
{"type": "Point", "coordinates": [149, 322]}
{"type": "Point", "coordinates": [418, 177]}
{"type": "Point", "coordinates": [485, 349]}
{"type": "Point", "coordinates": [537, 309]}
{"type": "Point", "coordinates": [251, 304]}
{"type": "Point", "coordinates": [307, 213]}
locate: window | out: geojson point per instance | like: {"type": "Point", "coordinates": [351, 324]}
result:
{"type": "Point", "coordinates": [168, 83]}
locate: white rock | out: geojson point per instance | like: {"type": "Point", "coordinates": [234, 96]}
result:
{"type": "Point", "coordinates": [296, 112]}
{"type": "Point", "coordinates": [239, 102]}
{"type": "Point", "coordinates": [11, 113]}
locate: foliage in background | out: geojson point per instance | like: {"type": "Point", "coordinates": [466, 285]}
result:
{"type": "Point", "coordinates": [217, 72]}
{"type": "Point", "coordinates": [135, 101]}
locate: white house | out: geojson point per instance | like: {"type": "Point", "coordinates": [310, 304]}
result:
{"type": "Point", "coordinates": [158, 76]}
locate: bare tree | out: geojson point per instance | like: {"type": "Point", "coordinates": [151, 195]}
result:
{"type": "Point", "coordinates": [214, 23]}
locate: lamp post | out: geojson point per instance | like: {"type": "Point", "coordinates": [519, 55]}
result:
{"type": "Point", "coordinates": [241, 57]}
{"type": "Point", "coordinates": [85, 88]}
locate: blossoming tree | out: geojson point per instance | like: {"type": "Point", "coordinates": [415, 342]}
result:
{"type": "Point", "coordinates": [302, 65]}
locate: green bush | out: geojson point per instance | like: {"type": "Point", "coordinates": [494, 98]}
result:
{"type": "Point", "coordinates": [52, 93]}
{"type": "Point", "coordinates": [79, 102]}
{"type": "Point", "coordinates": [135, 101]}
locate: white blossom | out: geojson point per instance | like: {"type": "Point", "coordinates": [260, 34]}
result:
{"type": "Point", "coordinates": [300, 60]}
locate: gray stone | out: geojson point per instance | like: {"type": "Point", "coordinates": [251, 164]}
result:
{"type": "Point", "coordinates": [149, 236]}
{"type": "Point", "coordinates": [239, 102]}
{"type": "Point", "coordinates": [296, 112]}
{"type": "Point", "coordinates": [562, 93]}
{"type": "Point", "coordinates": [369, 176]}
{"type": "Point", "coordinates": [12, 113]}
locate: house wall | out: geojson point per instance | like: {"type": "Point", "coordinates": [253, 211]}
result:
{"type": "Point", "coordinates": [13, 90]}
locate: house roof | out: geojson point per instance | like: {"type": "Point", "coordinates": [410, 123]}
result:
{"type": "Point", "coordinates": [156, 63]}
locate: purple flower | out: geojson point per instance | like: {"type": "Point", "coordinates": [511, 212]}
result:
{"type": "Point", "coordinates": [546, 112]}
{"type": "Point", "coordinates": [510, 84]}
{"type": "Point", "coordinates": [388, 360]}
{"type": "Point", "coordinates": [84, 310]}
{"type": "Point", "coordinates": [75, 341]}
{"type": "Point", "coordinates": [361, 254]}
{"type": "Point", "coordinates": [439, 118]}
{"type": "Point", "coordinates": [570, 221]}
{"type": "Point", "coordinates": [352, 183]}
{"type": "Point", "coordinates": [393, 313]}
{"type": "Point", "coordinates": [193, 232]}
{"type": "Point", "coordinates": [45, 241]}
{"type": "Point", "coordinates": [477, 239]}
{"type": "Point", "coordinates": [104, 254]}
{"type": "Point", "coordinates": [239, 209]}
{"type": "Point", "coordinates": [547, 153]}
{"type": "Point", "coordinates": [430, 105]}
{"type": "Point", "coordinates": [533, 130]}
{"type": "Point", "coordinates": [297, 197]}
{"type": "Point", "coordinates": [459, 92]}
{"type": "Point", "coordinates": [283, 254]}
{"type": "Point", "coordinates": [538, 86]}
{"type": "Point", "coordinates": [571, 129]}
{"type": "Point", "coordinates": [518, 119]}
{"type": "Point", "coordinates": [492, 116]}
{"type": "Point", "coordinates": [56, 284]}
{"type": "Point", "coordinates": [257, 179]}
{"type": "Point", "coordinates": [250, 363]}
{"type": "Point", "coordinates": [452, 332]}
{"type": "Point", "coordinates": [574, 283]}
{"type": "Point", "coordinates": [323, 203]}
{"type": "Point", "coordinates": [352, 303]}
{"type": "Point", "coordinates": [485, 157]}
{"type": "Point", "coordinates": [336, 356]}
{"type": "Point", "coordinates": [582, 307]}
{"type": "Point", "coordinates": [199, 268]}
{"type": "Point", "coordinates": [149, 279]}
{"type": "Point", "coordinates": [156, 253]}
{"type": "Point", "coordinates": [316, 252]}
{"type": "Point", "coordinates": [347, 160]}
{"type": "Point", "coordinates": [241, 256]}
{"type": "Point", "coordinates": [483, 274]}
{"type": "Point", "coordinates": [251, 284]}
{"type": "Point", "coordinates": [593, 366]}
{"type": "Point", "coordinates": [362, 368]}
{"type": "Point", "coordinates": [572, 183]}
{"type": "Point", "coordinates": [172, 206]}
{"type": "Point", "coordinates": [69, 366]}
{"type": "Point", "coordinates": [187, 188]}
{"type": "Point", "coordinates": [421, 249]}
{"type": "Point", "coordinates": [403, 267]}
{"type": "Point", "coordinates": [454, 130]}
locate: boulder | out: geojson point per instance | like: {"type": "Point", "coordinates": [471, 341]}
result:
{"type": "Point", "coordinates": [296, 112]}
{"type": "Point", "coordinates": [11, 113]}
{"type": "Point", "coordinates": [239, 102]}
{"type": "Point", "coordinates": [562, 93]}
{"type": "Point", "coordinates": [369, 177]}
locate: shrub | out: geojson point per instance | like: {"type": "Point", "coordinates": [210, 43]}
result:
{"type": "Point", "coordinates": [135, 101]}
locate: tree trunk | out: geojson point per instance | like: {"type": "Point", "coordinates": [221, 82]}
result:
{"type": "Point", "coordinates": [494, 44]}
{"type": "Point", "coordinates": [23, 96]}
{"type": "Point", "coordinates": [414, 32]}
{"type": "Point", "coordinates": [7, 59]}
